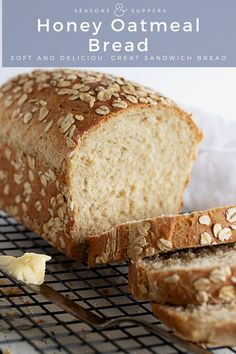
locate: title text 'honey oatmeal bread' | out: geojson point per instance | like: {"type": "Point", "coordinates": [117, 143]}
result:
{"type": "Point", "coordinates": [197, 276]}
{"type": "Point", "coordinates": [164, 234]}
{"type": "Point", "coordinates": [206, 324]}
{"type": "Point", "coordinates": [81, 152]}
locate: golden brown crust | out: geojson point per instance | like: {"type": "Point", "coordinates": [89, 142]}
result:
{"type": "Point", "coordinates": [199, 327]}
{"type": "Point", "coordinates": [36, 195]}
{"type": "Point", "coordinates": [45, 115]}
{"type": "Point", "coordinates": [164, 233]}
{"type": "Point", "coordinates": [213, 283]}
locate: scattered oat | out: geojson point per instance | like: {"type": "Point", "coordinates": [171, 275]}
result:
{"type": "Point", "coordinates": [174, 278]}
{"type": "Point", "coordinates": [227, 293]}
{"type": "Point", "coordinates": [22, 99]}
{"type": "Point", "coordinates": [15, 113]}
{"type": "Point", "coordinates": [48, 126]}
{"type": "Point", "coordinates": [152, 102]}
{"type": "Point", "coordinates": [6, 189]}
{"type": "Point", "coordinates": [231, 215]}
{"type": "Point", "coordinates": [31, 176]}
{"type": "Point", "coordinates": [71, 131]}
{"type": "Point", "coordinates": [18, 199]}
{"type": "Point", "coordinates": [42, 102]}
{"type": "Point", "coordinates": [143, 228]}
{"type": "Point", "coordinates": [216, 229]}
{"type": "Point", "coordinates": [18, 178]}
{"type": "Point", "coordinates": [102, 110]}
{"type": "Point", "coordinates": [43, 180]}
{"type": "Point", "coordinates": [224, 234]}
{"type": "Point", "coordinates": [38, 205]}
{"type": "Point", "coordinates": [73, 97]}
{"type": "Point", "coordinates": [27, 117]}
{"type": "Point", "coordinates": [66, 91]}
{"type": "Point", "coordinates": [43, 112]}
{"type": "Point", "coordinates": [31, 162]}
{"type": "Point", "coordinates": [7, 153]}
{"type": "Point", "coordinates": [119, 104]}
{"type": "Point", "coordinates": [24, 207]}
{"type": "Point", "coordinates": [220, 274]}
{"type": "Point", "coordinates": [233, 279]}
{"type": "Point", "coordinates": [143, 100]}
{"type": "Point", "coordinates": [3, 175]}
{"type": "Point", "coordinates": [63, 83]}
{"type": "Point", "coordinates": [205, 239]}
{"type": "Point", "coordinates": [70, 143]}
{"type": "Point", "coordinates": [164, 245]}
{"type": "Point", "coordinates": [27, 188]}
{"type": "Point", "coordinates": [131, 98]}
{"type": "Point", "coordinates": [204, 220]}
{"type": "Point", "coordinates": [202, 297]}
{"type": "Point", "coordinates": [79, 117]}
{"type": "Point", "coordinates": [201, 284]}
{"type": "Point", "coordinates": [104, 95]}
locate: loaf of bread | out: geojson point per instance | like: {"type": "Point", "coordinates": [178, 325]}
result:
{"type": "Point", "coordinates": [81, 152]}
{"type": "Point", "coordinates": [206, 324]}
{"type": "Point", "coordinates": [203, 275]}
{"type": "Point", "coordinates": [164, 234]}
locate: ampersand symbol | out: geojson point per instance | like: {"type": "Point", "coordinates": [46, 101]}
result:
{"type": "Point", "coordinates": [119, 10]}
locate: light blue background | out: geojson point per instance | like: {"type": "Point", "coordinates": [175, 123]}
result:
{"type": "Point", "coordinates": [216, 36]}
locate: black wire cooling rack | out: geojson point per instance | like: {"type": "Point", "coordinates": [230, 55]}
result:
{"type": "Point", "coordinates": [30, 324]}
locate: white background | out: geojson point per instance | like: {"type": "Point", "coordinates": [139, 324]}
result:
{"type": "Point", "coordinates": [211, 90]}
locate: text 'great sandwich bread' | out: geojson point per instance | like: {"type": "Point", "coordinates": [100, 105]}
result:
{"type": "Point", "coordinates": [81, 152]}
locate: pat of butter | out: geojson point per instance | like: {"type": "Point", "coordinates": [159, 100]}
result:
{"type": "Point", "coordinates": [29, 268]}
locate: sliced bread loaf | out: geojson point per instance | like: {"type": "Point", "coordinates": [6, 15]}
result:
{"type": "Point", "coordinates": [205, 324]}
{"type": "Point", "coordinates": [204, 275]}
{"type": "Point", "coordinates": [81, 152]}
{"type": "Point", "coordinates": [163, 234]}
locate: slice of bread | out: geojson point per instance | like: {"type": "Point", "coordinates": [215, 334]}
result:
{"type": "Point", "coordinates": [81, 152]}
{"type": "Point", "coordinates": [206, 324]}
{"type": "Point", "coordinates": [204, 275]}
{"type": "Point", "coordinates": [162, 234]}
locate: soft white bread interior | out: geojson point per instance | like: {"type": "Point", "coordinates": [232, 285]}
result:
{"type": "Point", "coordinates": [205, 324]}
{"type": "Point", "coordinates": [132, 167]}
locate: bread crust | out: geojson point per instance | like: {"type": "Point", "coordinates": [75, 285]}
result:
{"type": "Point", "coordinates": [212, 283]}
{"type": "Point", "coordinates": [36, 195]}
{"type": "Point", "coordinates": [160, 234]}
{"type": "Point", "coordinates": [45, 115]}
{"type": "Point", "coordinates": [198, 328]}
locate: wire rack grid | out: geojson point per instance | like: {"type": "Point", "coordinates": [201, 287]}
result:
{"type": "Point", "coordinates": [30, 324]}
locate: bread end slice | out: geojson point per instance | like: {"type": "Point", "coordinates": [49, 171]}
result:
{"type": "Point", "coordinates": [195, 276]}
{"type": "Point", "coordinates": [206, 324]}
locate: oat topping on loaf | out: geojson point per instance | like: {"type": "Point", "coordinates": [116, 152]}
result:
{"type": "Point", "coordinates": [204, 220]}
{"type": "Point", "coordinates": [205, 238]}
{"type": "Point", "coordinates": [231, 215]}
{"type": "Point", "coordinates": [90, 87]}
